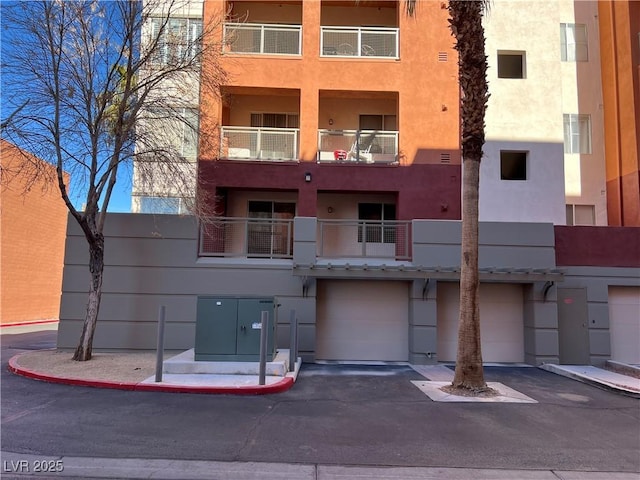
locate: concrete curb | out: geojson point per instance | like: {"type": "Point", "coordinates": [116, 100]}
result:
{"type": "Point", "coordinates": [278, 387]}
{"type": "Point", "coordinates": [589, 380]}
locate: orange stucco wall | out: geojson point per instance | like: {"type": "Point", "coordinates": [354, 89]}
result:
{"type": "Point", "coordinates": [620, 57]}
{"type": "Point", "coordinates": [32, 235]}
{"type": "Point", "coordinates": [421, 90]}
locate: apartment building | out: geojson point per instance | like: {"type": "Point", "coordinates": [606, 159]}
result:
{"type": "Point", "coordinates": [157, 189]}
{"type": "Point", "coordinates": [335, 178]}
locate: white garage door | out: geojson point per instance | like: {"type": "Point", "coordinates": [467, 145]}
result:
{"type": "Point", "coordinates": [624, 324]}
{"type": "Point", "coordinates": [362, 321]}
{"type": "Point", "coordinates": [501, 322]}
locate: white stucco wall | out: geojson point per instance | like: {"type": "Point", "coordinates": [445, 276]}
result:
{"type": "Point", "coordinates": [524, 114]}
{"type": "Point", "coordinates": [527, 114]}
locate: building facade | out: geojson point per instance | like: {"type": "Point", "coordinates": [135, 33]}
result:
{"type": "Point", "coordinates": [33, 224]}
{"type": "Point", "coordinates": [335, 180]}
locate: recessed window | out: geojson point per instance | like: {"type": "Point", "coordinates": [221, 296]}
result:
{"type": "Point", "coordinates": [178, 39]}
{"type": "Point", "coordinates": [573, 42]}
{"type": "Point", "coordinates": [162, 205]}
{"type": "Point", "coordinates": [577, 133]}
{"type": "Point", "coordinates": [373, 217]}
{"type": "Point", "coordinates": [581, 215]}
{"type": "Point", "coordinates": [511, 64]}
{"type": "Point", "coordinates": [513, 165]}
{"type": "Point", "coordinates": [275, 120]}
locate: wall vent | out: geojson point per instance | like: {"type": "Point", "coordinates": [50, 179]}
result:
{"type": "Point", "coordinates": [443, 56]}
{"type": "Point", "coordinates": [445, 158]}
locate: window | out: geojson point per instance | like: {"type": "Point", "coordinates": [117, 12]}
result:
{"type": "Point", "coordinates": [179, 40]}
{"type": "Point", "coordinates": [162, 205]}
{"type": "Point", "coordinates": [573, 42]}
{"type": "Point", "coordinates": [271, 232]}
{"type": "Point", "coordinates": [372, 217]}
{"type": "Point", "coordinates": [275, 120]}
{"type": "Point", "coordinates": [513, 165]}
{"type": "Point", "coordinates": [511, 64]}
{"type": "Point", "coordinates": [581, 215]}
{"type": "Point", "coordinates": [378, 122]}
{"type": "Point", "coordinates": [577, 133]}
{"type": "Point", "coordinates": [176, 129]}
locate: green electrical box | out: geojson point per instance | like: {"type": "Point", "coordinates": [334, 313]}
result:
{"type": "Point", "coordinates": [228, 328]}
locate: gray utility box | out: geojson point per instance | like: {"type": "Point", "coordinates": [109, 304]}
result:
{"type": "Point", "coordinates": [228, 328]}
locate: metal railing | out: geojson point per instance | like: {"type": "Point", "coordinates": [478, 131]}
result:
{"type": "Point", "coordinates": [263, 39]}
{"type": "Point", "coordinates": [367, 146]}
{"type": "Point", "coordinates": [246, 237]}
{"type": "Point", "coordinates": [359, 42]}
{"type": "Point", "coordinates": [259, 143]}
{"type": "Point", "coordinates": [359, 238]}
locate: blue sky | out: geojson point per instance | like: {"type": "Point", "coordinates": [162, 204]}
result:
{"type": "Point", "coordinates": [121, 199]}
{"type": "Point", "coordinates": [14, 93]}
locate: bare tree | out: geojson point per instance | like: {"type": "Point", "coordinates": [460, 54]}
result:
{"type": "Point", "coordinates": [466, 27]}
{"type": "Point", "coordinates": [108, 84]}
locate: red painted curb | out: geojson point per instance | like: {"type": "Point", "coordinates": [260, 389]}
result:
{"type": "Point", "coordinates": [23, 324]}
{"type": "Point", "coordinates": [281, 386]}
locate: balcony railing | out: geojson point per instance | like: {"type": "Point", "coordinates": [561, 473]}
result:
{"type": "Point", "coordinates": [366, 146]}
{"type": "Point", "coordinates": [359, 238]}
{"type": "Point", "coordinates": [246, 237]}
{"type": "Point", "coordinates": [359, 42]}
{"type": "Point", "coordinates": [263, 39]}
{"type": "Point", "coordinates": [258, 143]}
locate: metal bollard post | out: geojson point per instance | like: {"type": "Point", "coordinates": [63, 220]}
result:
{"type": "Point", "coordinates": [160, 344]}
{"type": "Point", "coordinates": [293, 341]}
{"type": "Point", "coordinates": [264, 320]}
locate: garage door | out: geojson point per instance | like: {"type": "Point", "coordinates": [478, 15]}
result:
{"type": "Point", "coordinates": [624, 324]}
{"type": "Point", "coordinates": [362, 321]}
{"type": "Point", "coordinates": [501, 322]}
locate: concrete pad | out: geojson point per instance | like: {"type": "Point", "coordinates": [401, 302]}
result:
{"type": "Point", "coordinates": [132, 468]}
{"type": "Point", "coordinates": [436, 373]}
{"type": "Point", "coordinates": [598, 377]}
{"type": "Point", "coordinates": [326, 472]}
{"type": "Point", "coordinates": [597, 475]}
{"type": "Point", "coordinates": [506, 394]}
{"type": "Point", "coordinates": [185, 363]}
{"type": "Point", "coordinates": [210, 380]}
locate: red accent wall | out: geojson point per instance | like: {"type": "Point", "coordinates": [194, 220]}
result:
{"type": "Point", "coordinates": [423, 191]}
{"type": "Point", "coordinates": [597, 246]}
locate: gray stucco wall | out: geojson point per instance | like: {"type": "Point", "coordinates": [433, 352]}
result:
{"type": "Point", "coordinates": [596, 281]}
{"type": "Point", "coordinates": [152, 261]}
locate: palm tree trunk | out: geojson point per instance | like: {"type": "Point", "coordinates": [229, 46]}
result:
{"type": "Point", "coordinates": [466, 26]}
{"type": "Point", "coordinates": [469, 373]}
{"type": "Point", "coordinates": [96, 267]}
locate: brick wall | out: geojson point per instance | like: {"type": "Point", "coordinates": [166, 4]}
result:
{"type": "Point", "coordinates": [33, 222]}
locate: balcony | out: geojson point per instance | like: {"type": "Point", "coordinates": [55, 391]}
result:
{"type": "Point", "coordinates": [262, 39]}
{"type": "Point", "coordinates": [246, 237]}
{"type": "Point", "coordinates": [359, 42]}
{"type": "Point", "coordinates": [363, 239]}
{"type": "Point", "coordinates": [273, 238]}
{"type": "Point", "coordinates": [363, 146]}
{"type": "Point", "coordinates": [259, 143]}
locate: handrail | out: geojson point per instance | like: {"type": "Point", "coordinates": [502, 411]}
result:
{"type": "Point", "coordinates": [246, 237]}
{"type": "Point", "coordinates": [364, 238]}
{"type": "Point", "coordinates": [370, 42]}
{"type": "Point", "coordinates": [277, 47]}
{"type": "Point", "coordinates": [259, 143]}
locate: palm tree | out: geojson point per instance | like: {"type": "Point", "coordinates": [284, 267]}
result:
{"type": "Point", "coordinates": [466, 26]}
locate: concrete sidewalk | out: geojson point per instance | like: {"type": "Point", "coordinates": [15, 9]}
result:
{"type": "Point", "coordinates": [20, 466]}
{"type": "Point", "coordinates": [598, 377]}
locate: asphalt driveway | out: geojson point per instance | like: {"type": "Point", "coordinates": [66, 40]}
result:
{"type": "Point", "coordinates": [334, 415]}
